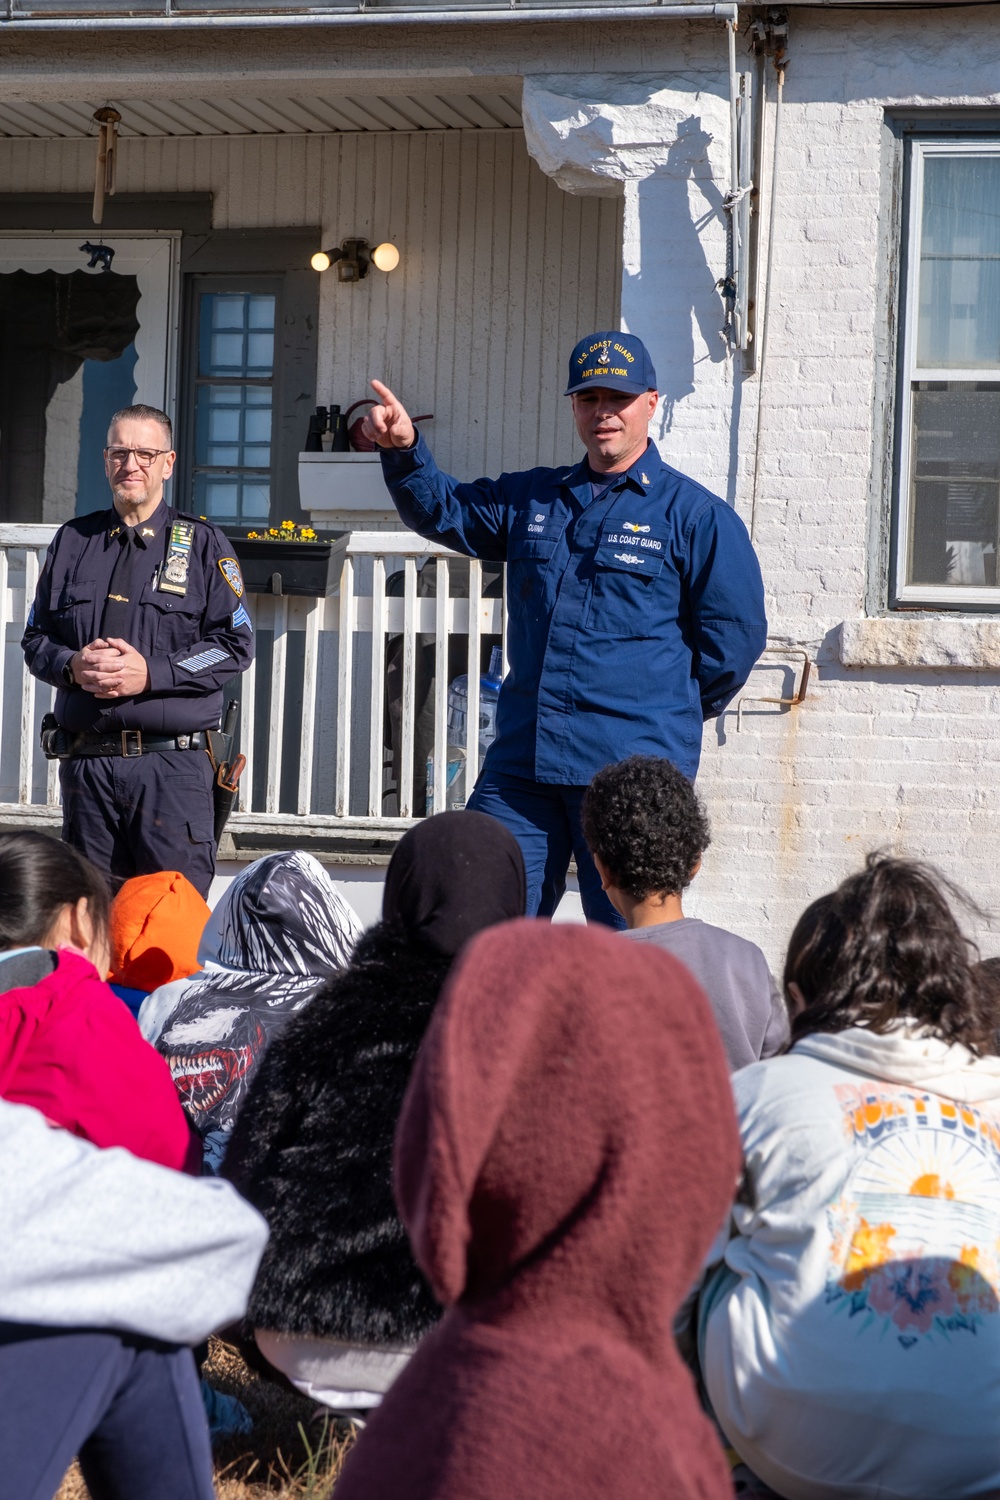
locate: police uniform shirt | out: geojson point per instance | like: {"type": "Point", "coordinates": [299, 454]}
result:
{"type": "Point", "coordinates": [632, 617]}
{"type": "Point", "coordinates": [193, 642]}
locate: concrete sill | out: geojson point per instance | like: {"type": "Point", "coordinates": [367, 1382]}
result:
{"type": "Point", "coordinates": [968, 645]}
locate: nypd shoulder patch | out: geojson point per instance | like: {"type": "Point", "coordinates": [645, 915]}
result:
{"type": "Point", "coordinates": [230, 570]}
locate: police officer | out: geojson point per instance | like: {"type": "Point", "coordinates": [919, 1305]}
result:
{"type": "Point", "coordinates": [139, 620]}
{"type": "Point", "coordinates": [635, 602]}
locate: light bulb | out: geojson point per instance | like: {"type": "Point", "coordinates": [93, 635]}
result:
{"type": "Point", "coordinates": [386, 256]}
{"type": "Point", "coordinates": [320, 261]}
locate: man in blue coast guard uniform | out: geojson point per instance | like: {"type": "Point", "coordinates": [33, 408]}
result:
{"type": "Point", "coordinates": [139, 620]}
{"type": "Point", "coordinates": [636, 608]}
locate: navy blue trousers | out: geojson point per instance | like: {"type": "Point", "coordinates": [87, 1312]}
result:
{"type": "Point", "coordinates": [136, 815]}
{"type": "Point", "coordinates": [545, 820]}
{"type": "Point", "coordinates": [129, 1408]}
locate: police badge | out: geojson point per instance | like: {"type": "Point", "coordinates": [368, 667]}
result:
{"type": "Point", "coordinates": [174, 577]}
{"type": "Point", "coordinates": [230, 570]}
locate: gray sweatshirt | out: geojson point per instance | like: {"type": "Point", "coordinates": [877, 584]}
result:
{"type": "Point", "coordinates": [100, 1239]}
{"type": "Point", "coordinates": [734, 974]}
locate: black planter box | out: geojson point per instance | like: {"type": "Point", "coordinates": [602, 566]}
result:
{"type": "Point", "coordinates": [273, 567]}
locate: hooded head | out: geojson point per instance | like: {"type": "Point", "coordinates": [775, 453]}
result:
{"type": "Point", "coordinates": [451, 876]}
{"type": "Point", "coordinates": [568, 1146]}
{"type": "Point", "coordinates": [156, 926]}
{"type": "Point", "coordinates": [282, 915]}
{"type": "Point", "coordinates": [278, 932]}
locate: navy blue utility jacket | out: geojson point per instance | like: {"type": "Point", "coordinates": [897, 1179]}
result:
{"type": "Point", "coordinates": [193, 643]}
{"type": "Point", "coordinates": [632, 618]}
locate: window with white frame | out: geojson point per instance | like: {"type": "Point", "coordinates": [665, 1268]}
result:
{"type": "Point", "coordinates": [948, 503]}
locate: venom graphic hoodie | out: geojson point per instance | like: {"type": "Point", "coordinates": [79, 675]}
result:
{"type": "Point", "coordinates": [278, 933]}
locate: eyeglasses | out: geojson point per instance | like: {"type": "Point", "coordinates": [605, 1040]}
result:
{"type": "Point", "coordinates": [143, 456]}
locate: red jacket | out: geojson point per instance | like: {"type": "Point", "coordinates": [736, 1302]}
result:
{"type": "Point", "coordinates": [565, 1154]}
{"type": "Point", "coordinates": [70, 1049]}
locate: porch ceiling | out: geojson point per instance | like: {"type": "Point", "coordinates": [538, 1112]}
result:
{"type": "Point", "coordinates": [301, 115]}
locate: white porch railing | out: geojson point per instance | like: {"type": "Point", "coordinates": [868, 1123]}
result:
{"type": "Point", "coordinates": [313, 707]}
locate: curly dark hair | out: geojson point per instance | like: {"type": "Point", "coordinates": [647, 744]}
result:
{"type": "Point", "coordinates": [885, 945]}
{"type": "Point", "coordinates": [643, 820]}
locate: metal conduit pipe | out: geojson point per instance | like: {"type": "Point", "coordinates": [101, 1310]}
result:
{"type": "Point", "coordinates": [399, 16]}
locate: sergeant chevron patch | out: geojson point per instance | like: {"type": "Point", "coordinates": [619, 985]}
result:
{"type": "Point", "coordinates": [204, 659]}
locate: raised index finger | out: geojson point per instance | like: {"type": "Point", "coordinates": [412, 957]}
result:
{"type": "Point", "coordinates": [384, 394]}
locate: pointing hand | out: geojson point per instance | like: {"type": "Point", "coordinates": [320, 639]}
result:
{"type": "Point", "coordinates": [389, 425]}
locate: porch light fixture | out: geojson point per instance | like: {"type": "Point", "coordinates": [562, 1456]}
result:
{"type": "Point", "coordinates": [355, 259]}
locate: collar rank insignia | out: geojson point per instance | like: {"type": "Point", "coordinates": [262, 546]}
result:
{"type": "Point", "coordinates": [174, 577]}
{"type": "Point", "coordinates": [644, 478]}
{"type": "Point", "coordinates": [148, 531]}
{"type": "Point", "coordinates": [230, 570]}
{"type": "Point", "coordinates": [115, 532]}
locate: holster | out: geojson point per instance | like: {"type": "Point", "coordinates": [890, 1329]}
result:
{"type": "Point", "coordinates": [56, 743]}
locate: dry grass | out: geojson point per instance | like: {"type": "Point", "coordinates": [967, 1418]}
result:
{"type": "Point", "coordinates": [290, 1455]}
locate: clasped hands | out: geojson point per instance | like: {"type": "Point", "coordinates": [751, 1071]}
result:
{"type": "Point", "coordinates": [110, 669]}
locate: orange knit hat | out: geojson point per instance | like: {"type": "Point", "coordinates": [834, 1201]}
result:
{"type": "Point", "coordinates": [156, 926]}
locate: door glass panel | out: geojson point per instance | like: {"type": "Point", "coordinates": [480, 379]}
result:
{"type": "Point", "coordinates": [67, 362]}
{"type": "Point", "coordinates": [233, 406]}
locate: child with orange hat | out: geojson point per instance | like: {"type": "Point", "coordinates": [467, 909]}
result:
{"type": "Point", "coordinates": [156, 926]}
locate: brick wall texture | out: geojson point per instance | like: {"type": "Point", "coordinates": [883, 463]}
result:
{"type": "Point", "coordinates": [902, 759]}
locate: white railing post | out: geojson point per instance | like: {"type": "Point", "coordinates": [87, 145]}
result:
{"type": "Point", "coordinates": [276, 725]}
{"type": "Point", "coordinates": [442, 623]}
{"type": "Point", "coordinates": [377, 721]}
{"type": "Point", "coordinates": [310, 680]}
{"type": "Point", "coordinates": [248, 712]}
{"type": "Point", "coordinates": [409, 686]}
{"type": "Point", "coordinates": [472, 717]}
{"type": "Point", "coordinates": [345, 667]}
{"type": "Point", "coordinates": [27, 739]}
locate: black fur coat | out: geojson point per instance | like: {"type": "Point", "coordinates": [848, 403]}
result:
{"type": "Point", "coordinates": [312, 1150]}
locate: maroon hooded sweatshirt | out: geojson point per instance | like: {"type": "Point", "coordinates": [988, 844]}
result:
{"type": "Point", "coordinates": [566, 1152]}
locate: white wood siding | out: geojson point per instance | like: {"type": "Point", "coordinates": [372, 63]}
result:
{"type": "Point", "coordinates": [501, 271]}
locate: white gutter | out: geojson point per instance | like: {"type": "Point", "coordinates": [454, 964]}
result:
{"type": "Point", "coordinates": [399, 15]}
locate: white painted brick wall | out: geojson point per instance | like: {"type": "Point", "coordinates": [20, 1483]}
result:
{"type": "Point", "coordinates": [904, 759]}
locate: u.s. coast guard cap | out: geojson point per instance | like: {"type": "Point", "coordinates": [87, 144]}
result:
{"type": "Point", "coordinates": [617, 361]}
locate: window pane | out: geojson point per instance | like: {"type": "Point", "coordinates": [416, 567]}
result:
{"type": "Point", "coordinates": [218, 499]}
{"type": "Point", "coordinates": [231, 499]}
{"type": "Point", "coordinates": [955, 499]}
{"type": "Point", "coordinates": [256, 501]}
{"type": "Point", "coordinates": [221, 432]}
{"type": "Point", "coordinates": [959, 287]}
{"type": "Point", "coordinates": [236, 334]}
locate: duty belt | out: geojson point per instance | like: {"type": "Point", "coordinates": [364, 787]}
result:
{"type": "Point", "coordinates": [131, 743]}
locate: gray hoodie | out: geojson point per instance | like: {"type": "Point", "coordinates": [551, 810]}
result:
{"type": "Point", "coordinates": [100, 1239]}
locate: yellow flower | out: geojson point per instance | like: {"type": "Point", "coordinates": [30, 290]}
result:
{"type": "Point", "coordinates": [273, 531]}
{"type": "Point", "coordinates": [252, 536]}
{"type": "Point", "coordinates": [308, 533]}
{"type": "Point", "coordinates": [288, 525]}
